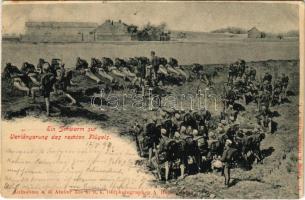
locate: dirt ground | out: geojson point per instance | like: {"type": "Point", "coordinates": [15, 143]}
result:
{"type": "Point", "coordinates": [275, 178]}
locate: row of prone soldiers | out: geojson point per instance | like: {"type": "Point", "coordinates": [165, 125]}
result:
{"type": "Point", "coordinates": [138, 70]}
{"type": "Point", "coordinates": [179, 143]}
{"type": "Point", "coordinates": [42, 79]}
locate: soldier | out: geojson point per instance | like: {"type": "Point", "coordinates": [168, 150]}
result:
{"type": "Point", "coordinates": [174, 63]}
{"type": "Point", "coordinates": [19, 80]}
{"type": "Point", "coordinates": [264, 99]}
{"type": "Point", "coordinates": [252, 73]}
{"type": "Point", "coordinates": [63, 80]}
{"type": "Point", "coordinates": [264, 118]}
{"type": "Point", "coordinates": [154, 64]}
{"type": "Point", "coordinates": [285, 81]}
{"type": "Point", "coordinates": [231, 97]}
{"type": "Point", "coordinates": [137, 131]}
{"type": "Point", "coordinates": [161, 154]}
{"type": "Point", "coordinates": [55, 64]}
{"type": "Point", "coordinates": [252, 143]}
{"type": "Point", "coordinates": [81, 64]}
{"type": "Point", "coordinates": [241, 68]}
{"type": "Point", "coordinates": [232, 131]}
{"type": "Point", "coordinates": [231, 114]}
{"type": "Point", "coordinates": [39, 65]}
{"type": "Point", "coordinates": [30, 71]}
{"type": "Point", "coordinates": [277, 91]}
{"type": "Point", "coordinates": [252, 92]}
{"type": "Point", "coordinates": [47, 81]}
{"type": "Point", "coordinates": [247, 73]}
{"type": "Point", "coordinates": [267, 77]}
{"type": "Point", "coordinates": [228, 158]}
{"type": "Point", "coordinates": [231, 73]}
{"type": "Point", "coordinates": [89, 71]}
{"type": "Point", "coordinates": [267, 87]}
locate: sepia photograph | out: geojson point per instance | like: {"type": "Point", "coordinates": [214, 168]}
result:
{"type": "Point", "coordinates": [152, 99]}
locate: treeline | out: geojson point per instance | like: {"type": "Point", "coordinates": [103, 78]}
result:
{"type": "Point", "coordinates": [237, 30]}
{"type": "Point", "coordinates": [233, 30]}
{"type": "Point", "coordinates": [280, 35]}
{"type": "Point", "coordinates": [149, 32]}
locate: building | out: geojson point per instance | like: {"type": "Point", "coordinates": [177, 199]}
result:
{"type": "Point", "coordinates": [58, 31]}
{"type": "Point", "coordinates": [11, 37]}
{"type": "Point", "coordinates": [165, 36]}
{"type": "Point", "coordinates": [112, 31]}
{"type": "Point", "coordinates": [254, 33]}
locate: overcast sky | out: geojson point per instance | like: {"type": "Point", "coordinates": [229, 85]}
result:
{"type": "Point", "coordinates": [190, 16]}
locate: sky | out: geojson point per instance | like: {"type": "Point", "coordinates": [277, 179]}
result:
{"type": "Point", "coordinates": [184, 16]}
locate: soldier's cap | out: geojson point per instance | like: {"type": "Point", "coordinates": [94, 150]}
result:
{"type": "Point", "coordinates": [228, 142]}
{"type": "Point", "coordinates": [181, 111]}
{"type": "Point", "coordinates": [223, 122]}
{"type": "Point", "coordinates": [163, 131]}
{"type": "Point", "coordinates": [236, 124]}
{"type": "Point", "coordinates": [46, 66]}
{"type": "Point", "coordinates": [182, 128]}
{"type": "Point", "coordinates": [177, 135]}
{"type": "Point", "coordinates": [195, 132]}
{"type": "Point", "coordinates": [163, 114]}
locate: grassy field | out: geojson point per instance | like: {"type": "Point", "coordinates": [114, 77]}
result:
{"type": "Point", "coordinates": [186, 52]}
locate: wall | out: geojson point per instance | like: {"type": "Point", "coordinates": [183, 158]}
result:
{"type": "Point", "coordinates": [254, 34]}
{"type": "Point", "coordinates": [110, 37]}
{"type": "Point", "coordinates": [57, 34]}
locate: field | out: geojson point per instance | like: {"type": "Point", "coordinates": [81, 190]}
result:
{"type": "Point", "coordinates": [210, 52]}
{"type": "Point", "coordinates": [275, 178]}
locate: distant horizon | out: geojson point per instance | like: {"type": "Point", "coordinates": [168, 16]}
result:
{"type": "Point", "coordinates": [98, 24]}
{"type": "Point", "coordinates": [179, 16]}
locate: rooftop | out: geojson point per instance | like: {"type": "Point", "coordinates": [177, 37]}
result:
{"type": "Point", "coordinates": [62, 24]}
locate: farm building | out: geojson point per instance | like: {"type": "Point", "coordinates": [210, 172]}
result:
{"type": "Point", "coordinates": [254, 33]}
{"type": "Point", "coordinates": [112, 31]}
{"type": "Point", "coordinates": [58, 31]}
{"type": "Point", "coordinates": [11, 38]}
{"type": "Point", "coordinates": [165, 36]}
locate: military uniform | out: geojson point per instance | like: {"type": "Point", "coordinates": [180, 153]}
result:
{"type": "Point", "coordinates": [227, 159]}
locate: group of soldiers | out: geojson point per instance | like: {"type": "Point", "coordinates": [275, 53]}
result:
{"type": "Point", "coordinates": [175, 141]}
{"type": "Point", "coordinates": [244, 87]}
{"type": "Point", "coordinates": [179, 142]}
{"type": "Point", "coordinates": [44, 79]}
{"type": "Point", "coordinates": [138, 71]}
{"type": "Point", "coordinates": [47, 77]}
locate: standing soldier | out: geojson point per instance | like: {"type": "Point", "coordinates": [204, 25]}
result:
{"type": "Point", "coordinates": [285, 81]}
{"type": "Point", "coordinates": [228, 159]}
{"type": "Point", "coordinates": [154, 64]}
{"type": "Point", "coordinates": [252, 74]}
{"type": "Point", "coordinates": [47, 81]}
{"type": "Point", "coordinates": [241, 68]}
{"type": "Point", "coordinates": [267, 77]}
{"type": "Point", "coordinates": [39, 65]}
